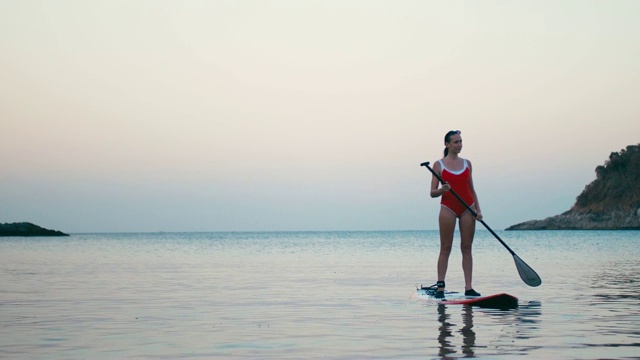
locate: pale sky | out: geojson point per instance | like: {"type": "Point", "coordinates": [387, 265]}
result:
{"type": "Point", "coordinates": [236, 115]}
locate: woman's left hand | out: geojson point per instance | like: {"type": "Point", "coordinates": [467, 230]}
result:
{"type": "Point", "coordinates": [478, 216]}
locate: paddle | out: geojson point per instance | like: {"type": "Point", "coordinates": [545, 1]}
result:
{"type": "Point", "coordinates": [527, 274]}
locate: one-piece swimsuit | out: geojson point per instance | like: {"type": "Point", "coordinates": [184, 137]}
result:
{"type": "Point", "coordinates": [459, 182]}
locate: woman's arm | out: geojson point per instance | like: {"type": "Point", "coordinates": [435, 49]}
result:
{"type": "Point", "coordinates": [435, 191]}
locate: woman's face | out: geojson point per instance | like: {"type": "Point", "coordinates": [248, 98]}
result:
{"type": "Point", "coordinates": [455, 143]}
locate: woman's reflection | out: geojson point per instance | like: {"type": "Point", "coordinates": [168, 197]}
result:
{"type": "Point", "coordinates": [522, 321]}
{"type": "Point", "coordinates": [446, 332]}
{"type": "Point", "coordinates": [468, 335]}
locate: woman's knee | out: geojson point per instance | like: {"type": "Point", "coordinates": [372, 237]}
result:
{"type": "Point", "coordinates": [466, 248]}
{"type": "Point", "coordinates": [445, 249]}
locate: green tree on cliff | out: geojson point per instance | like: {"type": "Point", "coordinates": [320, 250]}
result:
{"type": "Point", "coordinates": [617, 183]}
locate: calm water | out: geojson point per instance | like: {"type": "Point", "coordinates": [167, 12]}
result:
{"type": "Point", "coordinates": [331, 295]}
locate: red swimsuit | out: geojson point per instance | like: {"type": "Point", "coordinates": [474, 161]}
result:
{"type": "Point", "coordinates": [459, 182]}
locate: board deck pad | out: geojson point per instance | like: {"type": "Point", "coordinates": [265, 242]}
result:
{"type": "Point", "coordinates": [495, 301]}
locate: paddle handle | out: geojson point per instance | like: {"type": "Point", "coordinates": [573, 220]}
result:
{"type": "Point", "coordinates": [426, 164]}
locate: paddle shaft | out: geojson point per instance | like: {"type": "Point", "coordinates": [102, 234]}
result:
{"type": "Point", "coordinates": [426, 164]}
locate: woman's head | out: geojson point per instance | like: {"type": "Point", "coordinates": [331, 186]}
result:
{"type": "Point", "coordinates": [449, 138]}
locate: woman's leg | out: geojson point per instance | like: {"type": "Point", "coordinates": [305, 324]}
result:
{"type": "Point", "coordinates": [447, 222]}
{"type": "Point", "coordinates": [467, 231]}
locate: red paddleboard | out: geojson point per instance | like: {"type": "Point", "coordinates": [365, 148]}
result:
{"type": "Point", "coordinates": [503, 301]}
{"type": "Point", "coordinates": [496, 301]}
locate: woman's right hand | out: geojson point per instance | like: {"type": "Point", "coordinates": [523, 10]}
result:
{"type": "Point", "coordinates": [446, 187]}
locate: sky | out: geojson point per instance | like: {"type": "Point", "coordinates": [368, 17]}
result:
{"type": "Point", "coordinates": [287, 115]}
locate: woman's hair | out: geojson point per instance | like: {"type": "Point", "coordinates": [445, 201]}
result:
{"type": "Point", "coordinates": [447, 139]}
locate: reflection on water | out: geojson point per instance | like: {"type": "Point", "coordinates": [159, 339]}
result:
{"type": "Point", "coordinates": [457, 322]}
{"type": "Point", "coordinates": [446, 332]}
{"type": "Point", "coordinates": [444, 319]}
{"type": "Point", "coordinates": [468, 335]}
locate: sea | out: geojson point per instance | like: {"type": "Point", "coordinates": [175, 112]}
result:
{"type": "Point", "coordinates": [315, 295]}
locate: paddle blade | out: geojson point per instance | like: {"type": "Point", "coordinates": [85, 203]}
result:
{"type": "Point", "coordinates": [527, 274]}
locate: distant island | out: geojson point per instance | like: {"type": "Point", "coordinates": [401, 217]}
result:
{"type": "Point", "coordinates": [610, 202]}
{"type": "Point", "coordinates": [27, 229]}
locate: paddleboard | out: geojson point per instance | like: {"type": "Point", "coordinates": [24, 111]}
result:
{"type": "Point", "coordinates": [496, 301]}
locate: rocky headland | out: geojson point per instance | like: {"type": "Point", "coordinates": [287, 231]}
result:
{"type": "Point", "coordinates": [610, 202]}
{"type": "Point", "coordinates": [27, 229]}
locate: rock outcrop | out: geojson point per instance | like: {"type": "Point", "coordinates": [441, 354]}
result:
{"type": "Point", "coordinates": [27, 229]}
{"type": "Point", "coordinates": [610, 202]}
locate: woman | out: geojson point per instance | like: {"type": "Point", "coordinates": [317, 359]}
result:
{"type": "Point", "coordinates": [456, 174]}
